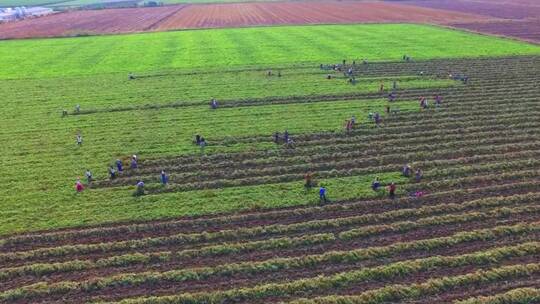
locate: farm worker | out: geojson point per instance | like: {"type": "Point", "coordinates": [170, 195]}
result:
{"type": "Point", "coordinates": [269, 73]}
{"type": "Point", "coordinates": [308, 178]}
{"type": "Point", "coordinates": [391, 97]}
{"type": "Point", "coordinates": [276, 137]}
{"type": "Point", "coordinates": [465, 79]}
{"type": "Point", "coordinates": [419, 193]}
{"type": "Point", "coordinates": [133, 164]}
{"type": "Point", "coordinates": [119, 165]}
{"type": "Point", "coordinates": [79, 186]}
{"type": "Point", "coordinates": [370, 116]}
{"type": "Point", "coordinates": [376, 184]}
{"type": "Point", "coordinates": [290, 143]}
{"type": "Point", "coordinates": [140, 188]}
{"type": "Point", "coordinates": [394, 85]}
{"type": "Point", "coordinates": [347, 125]}
{"type": "Point", "coordinates": [88, 175]}
{"type": "Point", "coordinates": [423, 102]}
{"type": "Point", "coordinates": [353, 121]}
{"type": "Point", "coordinates": [404, 57]}
{"type": "Point", "coordinates": [344, 61]}
{"type": "Point", "coordinates": [202, 144]}
{"type": "Point", "coordinates": [214, 104]}
{"type": "Point", "coordinates": [64, 113]}
{"type": "Point", "coordinates": [322, 194]}
{"type": "Point", "coordinates": [328, 76]}
{"type": "Point", "coordinates": [198, 139]}
{"type": "Point", "coordinates": [79, 139]}
{"type": "Point", "coordinates": [392, 190]}
{"type": "Point", "coordinates": [421, 73]}
{"type": "Point", "coordinates": [77, 109]}
{"type": "Point", "coordinates": [387, 109]}
{"type": "Point", "coordinates": [406, 170]}
{"type": "Point", "coordinates": [112, 172]}
{"type": "Point", "coordinates": [354, 62]}
{"type": "Point", "coordinates": [418, 175]}
{"type": "Point", "coordinates": [438, 100]}
{"type": "Point", "coordinates": [378, 119]}
{"type": "Point", "coordinates": [286, 136]}
{"type": "Point", "coordinates": [163, 178]}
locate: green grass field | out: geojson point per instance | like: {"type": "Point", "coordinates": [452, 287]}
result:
{"type": "Point", "coordinates": [228, 48]}
{"type": "Point", "coordinates": [40, 160]}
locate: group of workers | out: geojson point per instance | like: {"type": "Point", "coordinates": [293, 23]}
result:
{"type": "Point", "coordinates": [117, 168]}
{"type": "Point", "coordinates": [424, 103]}
{"type": "Point", "coordinates": [285, 139]}
{"type": "Point", "coordinates": [270, 73]}
{"type": "Point", "coordinates": [376, 185]}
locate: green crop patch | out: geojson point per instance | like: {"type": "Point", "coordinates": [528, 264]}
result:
{"type": "Point", "coordinates": [226, 48]}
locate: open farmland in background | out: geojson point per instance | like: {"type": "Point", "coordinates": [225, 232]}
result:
{"type": "Point", "coordinates": [516, 19]}
{"type": "Point", "coordinates": [520, 19]}
{"type": "Point", "coordinates": [87, 22]}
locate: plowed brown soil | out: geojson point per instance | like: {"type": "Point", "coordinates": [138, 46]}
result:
{"type": "Point", "coordinates": [246, 14]}
{"type": "Point", "coordinates": [226, 15]}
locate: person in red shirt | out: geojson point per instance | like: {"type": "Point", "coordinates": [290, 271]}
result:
{"type": "Point", "coordinates": [392, 190]}
{"type": "Point", "coordinates": [79, 186]}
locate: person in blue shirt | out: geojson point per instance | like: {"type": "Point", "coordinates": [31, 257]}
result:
{"type": "Point", "coordinates": [322, 194]}
{"type": "Point", "coordinates": [164, 178]}
{"type": "Point", "coordinates": [112, 172]}
{"type": "Point", "coordinates": [134, 162]}
{"type": "Point", "coordinates": [119, 165]}
{"type": "Point", "coordinates": [376, 184]}
{"type": "Point", "coordinates": [140, 188]}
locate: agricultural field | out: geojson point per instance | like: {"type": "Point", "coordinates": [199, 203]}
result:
{"type": "Point", "coordinates": [188, 16]}
{"type": "Point", "coordinates": [520, 19]}
{"type": "Point", "coordinates": [235, 48]}
{"type": "Point", "coordinates": [235, 224]}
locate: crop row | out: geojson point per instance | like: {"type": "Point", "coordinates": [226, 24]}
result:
{"type": "Point", "coordinates": [328, 145]}
{"type": "Point", "coordinates": [301, 213]}
{"type": "Point", "coordinates": [276, 229]}
{"type": "Point", "coordinates": [342, 169]}
{"type": "Point", "coordinates": [514, 296]}
{"type": "Point", "coordinates": [275, 243]}
{"type": "Point", "coordinates": [40, 269]}
{"type": "Point", "coordinates": [485, 80]}
{"type": "Point", "coordinates": [393, 293]}
{"type": "Point", "coordinates": [272, 265]}
{"type": "Point", "coordinates": [350, 148]}
{"type": "Point", "coordinates": [369, 135]}
{"type": "Point", "coordinates": [342, 280]}
{"type": "Point", "coordinates": [351, 160]}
